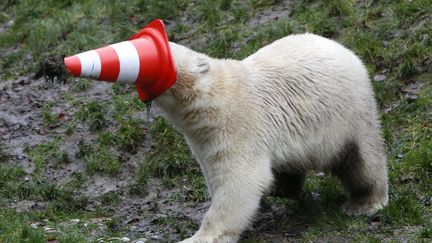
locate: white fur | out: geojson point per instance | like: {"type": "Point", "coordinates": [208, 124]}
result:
{"type": "Point", "coordinates": [294, 105]}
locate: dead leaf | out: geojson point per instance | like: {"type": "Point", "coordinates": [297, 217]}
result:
{"type": "Point", "coordinates": [62, 117]}
{"type": "Point", "coordinates": [52, 240]}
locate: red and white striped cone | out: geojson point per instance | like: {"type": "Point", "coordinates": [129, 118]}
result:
{"type": "Point", "coordinates": [144, 60]}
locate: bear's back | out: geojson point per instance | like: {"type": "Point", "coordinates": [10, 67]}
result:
{"type": "Point", "coordinates": [310, 89]}
{"type": "Point", "coordinates": [305, 53]}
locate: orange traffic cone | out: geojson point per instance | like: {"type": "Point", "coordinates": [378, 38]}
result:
{"type": "Point", "coordinates": [144, 60]}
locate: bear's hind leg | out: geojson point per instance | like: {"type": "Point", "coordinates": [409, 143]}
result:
{"type": "Point", "coordinates": [362, 170]}
{"type": "Point", "coordinates": [288, 184]}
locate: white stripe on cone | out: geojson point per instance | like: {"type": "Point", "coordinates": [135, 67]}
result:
{"type": "Point", "coordinates": [90, 64]}
{"type": "Point", "coordinates": [129, 61]}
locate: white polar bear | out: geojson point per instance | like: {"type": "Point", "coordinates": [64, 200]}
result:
{"type": "Point", "coordinates": [303, 102]}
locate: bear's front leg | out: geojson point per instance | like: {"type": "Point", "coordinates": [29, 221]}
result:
{"type": "Point", "coordinates": [238, 186]}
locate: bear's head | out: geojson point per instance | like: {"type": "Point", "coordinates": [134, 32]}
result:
{"type": "Point", "coordinates": [192, 78]}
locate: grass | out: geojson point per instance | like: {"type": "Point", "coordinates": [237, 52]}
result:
{"type": "Point", "coordinates": [43, 153]}
{"type": "Point", "coordinates": [129, 134]}
{"type": "Point", "coordinates": [392, 37]}
{"type": "Point", "coordinates": [14, 230]}
{"type": "Point", "coordinates": [110, 198]}
{"type": "Point", "coordinates": [82, 85]}
{"type": "Point", "coordinates": [3, 154]}
{"type": "Point", "coordinates": [61, 203]}
{"type": "Point", "coordinates": [102, 160]}
{"type": "Point", "coordinates": [49, 119]}
{"type": "Point", "coordinates": [171, 156]}
{"type": "Point", "coordinates": [169, 159]}
{"type": "Point", "coordinates": [139, 186]}
{"type": "Point", "coordinates": [94, 114]}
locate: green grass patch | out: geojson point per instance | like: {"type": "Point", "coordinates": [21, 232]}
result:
{"type": "Point", "coordinates": [102, 160]}
{"type": "Point", "coordinates": [76, 182]}
{"type": "Point", "coordinates": [404, 209]}
{"type": "Point", "coordinates": [81, 85]}
{"type": "Point", "coordinates": [170, 156]}
{"type": "Point", "coordinates": [43, 153]}
{"type": "Point", "coordinates": [129, 134]}
{"type": "Point", "coordinates": [3, 154]}
{"type": "Point", "coordinates": [8, 175]}
{"type": "Point", "coordinates": [170, 159]}
{"type": "Point", "coordinates": [426, 232]}
{"type": "Point", "coordinates": [110, 198]}
{"type": "Point", "coordinates": [139, 186]}
{"type": "Point", "coordinates": [13, 228]}
{"type": "Point", "coordinates": [48, 117]}
{"type": "Point", "coordinates": [29, 227]}
{"type": "Point", "coordinates": [93, 113]}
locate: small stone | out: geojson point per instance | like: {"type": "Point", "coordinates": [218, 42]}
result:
{"type": "Point", "coordinates": [50, 230]}
{"type": "Point", "coordinates": [379, 78]}
{"type": "Point", "coordinates": [34, 225]}
{"type": "Point", "coordinates": [75, 220]}
{"type": "Point", "coordinates": [125, 239]}
{"type": "Point", "coordinates": [140, 240]}
{"type": "Point", "coordinates": [156, 237]}
{"type": "Point", "coordinates": [411, 97]}
{"type": "Point", "coordinates": [113, 239]}
{"type": "Point", "coordinates": [315, 196]}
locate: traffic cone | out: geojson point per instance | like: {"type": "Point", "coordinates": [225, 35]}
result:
{"type": "Point", "coordinates": [144, 60]}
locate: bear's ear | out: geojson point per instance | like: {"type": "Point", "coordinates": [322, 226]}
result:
{"type": "Point", "coordinates": [202, 65]}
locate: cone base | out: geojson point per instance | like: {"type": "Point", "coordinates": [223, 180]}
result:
{"type": "Point", "coordinates": [167, 74]}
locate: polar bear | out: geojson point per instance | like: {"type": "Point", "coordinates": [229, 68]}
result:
{"type": "Point", "coordinates": [301, 103]}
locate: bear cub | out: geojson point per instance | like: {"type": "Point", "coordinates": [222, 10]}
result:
{"type": "Point", "coordinates": [260, 124]}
